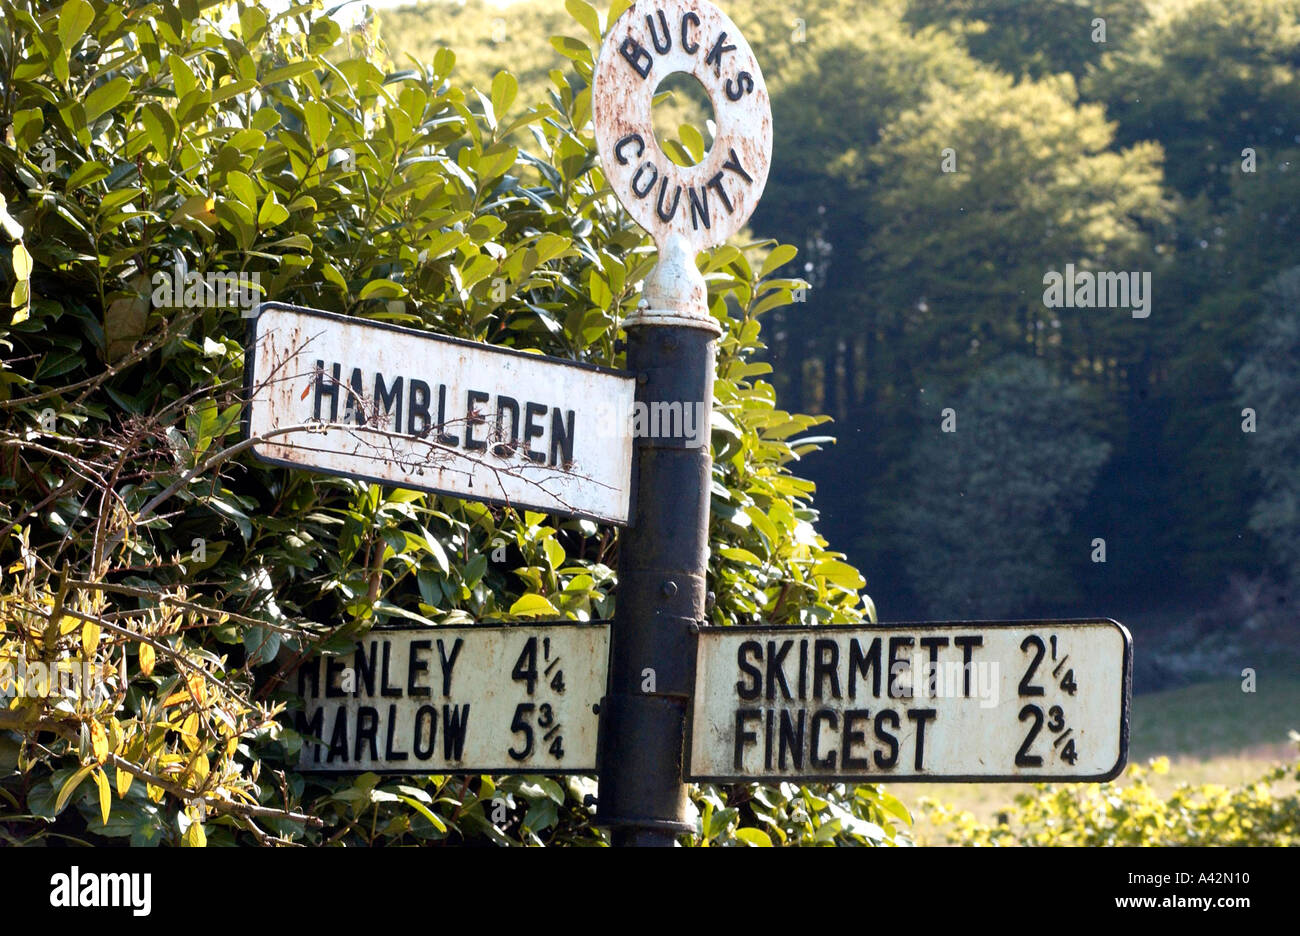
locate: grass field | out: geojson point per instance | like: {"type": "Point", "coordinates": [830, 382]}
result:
{"type": "Point", "coordinates": [1211, 732]}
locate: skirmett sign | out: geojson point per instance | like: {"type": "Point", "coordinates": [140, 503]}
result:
{"type": "Point", "coordinates": [989, 701]}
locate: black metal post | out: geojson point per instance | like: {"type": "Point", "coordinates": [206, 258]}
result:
{"type": "Point", "coordinates": [662, 591]}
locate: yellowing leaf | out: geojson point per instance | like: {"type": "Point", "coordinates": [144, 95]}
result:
{"type": "Point", "coordinates": [146, 659]}
{"type": "Point", "coordinates": [90, 639]}
{"type": "Point", "coordinates": [105, 794]}
{"type": "Point", "coordinates": [200, 207]}
{"type": "Point", "coordinates": [754, 837]}
{"type": "Point", "coordinates": [99, 743]}
{"type": "Point", "coordinates": [194, 836]}
{"type": "Point", "coordinates": [198, 689]}
{"type": "Point", "coordinates": [529, 605]}
{"type": "Point", "coordinates": [22, 261]}
{"type": "Point", "coordinates": [123, 783]}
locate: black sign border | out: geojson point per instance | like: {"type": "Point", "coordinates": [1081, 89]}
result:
{"type": "Point", "coordinates": [317, 771]}
{"type": "Point", "coordinates": [250, 383]}
{"type": "Point", "coordinates": [1126, 698]}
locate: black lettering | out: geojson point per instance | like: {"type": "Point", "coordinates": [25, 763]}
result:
{"type": "Point", "coordinates": [386, 690]}
{"type": "Point", "coordinates": [662, 46]}
{"type": "Point", "coordinates": [767, 741]}
{"type": "Point", "coordinates": [503, 448]}
{"type": "Point", "coordinates": [654, 174]}
{"type": "Point", "coordinates": [755, 687]}
{"type": "Point", "coordinates": [882, 716]}
{"type": "Point", "coordinates": [388, 401]}
{"type": "Point", "coordinates": [863, 663]}
{"type": "Point", "coordinates": [720, 48]}
{"type": "Point", "coordinates": [921, 716]}
{"type": "Point", "coordinates": [716, 184]}
{"type": "Point", "coordinates": [968, 643]}
{"type": "Point", "coordinates": [743, 735]}
{"type": "Point", "coordinates": [334, 666]}
{"type": "Point", "coordinates": [744, 85]}
{"type": "Point", "coordinates": [391, 753]}
{"type": "Point", "coordinates": [327, 388]}
{"type": "Point", "coordinates": [689, 47]}
{"type": "Point", "coordinates": [313, 728]}
{"type": "Point", "coordinates": [814, 744]}
{"type": "Point", "coordinates": [803, 670]}
{"type": "Point", "coordinates": [448, 662]}
{"type": "Point", "coordinates": [415, 666]}
{"type": "Point", "coordinates": [776, 669]}
{"type": "Point", "coordinates": [355, 398]}
{"type": "Point", "coordinates": [365, 666]}
{"type": "Point", "coordinates": [699, 207]}
{"type": "Point", "coordinates": [418, 406]}
{"type": "Point", "coordinates": [309, 672]}
{"type": "Point", "coordinates": [733, 163]}
{"type": "Point", "coordinates": [852, 737]}
{"type": "Point", "coordinates": [659, 202]}
{"type": "Point", "coordinates": [444, 437]}
{"type": "Point", "coordinates": [429, 713]}
{"type": "Point", "coordinates": [895, 644]}
{"type": "Point", "coordinates": [455, 719]}
{"type": "Point", "coordinates": [533, 431]}
{"type": "Point", "coordinates": [826, 665]}
{"type": "Point", "coordinates": [561, 438]}
{"type": "Point", "coordinates": [339, 738]}
{"type": "Point", "coordinates": [474, 418]}
{"type": "Point", "coordinates": [791, 739]}
{"type": "Point", "coordinates": [367, 730]}
{"type": "Point", "coordinates": [931, 645]}
{"type": "Point", "coordinates": [636, 56]}
{"type": "Point", "coordinates": [630, 138]}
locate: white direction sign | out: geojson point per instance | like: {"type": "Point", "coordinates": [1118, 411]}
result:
{"type": "Point", "coordinates": [972, 701]}
{"type": "Point", "coordinates": [487, 698]}
{"type": "Point", "coordinates": [377, 402]}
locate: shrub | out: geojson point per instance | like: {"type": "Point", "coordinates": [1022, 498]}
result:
{"type": "Point", "coordinates": [140, 537]}
{"type": "Point", "coordinates": [1107, 814]}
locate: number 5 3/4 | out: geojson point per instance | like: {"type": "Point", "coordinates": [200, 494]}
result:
{"type": "Point", "coordinates": [522, 724]}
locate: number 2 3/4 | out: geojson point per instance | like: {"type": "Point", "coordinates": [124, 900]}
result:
{"type": "Point", "coordinates": [1034, 713]}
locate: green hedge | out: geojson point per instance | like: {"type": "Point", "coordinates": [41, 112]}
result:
{"type": "Point", "coordinates": [1263, 812]}
{"type": "Point", "coordinates": [136, 533]}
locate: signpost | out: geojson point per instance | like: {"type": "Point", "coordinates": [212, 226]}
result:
{"type": "Point", "coordinates": [986, 701]}
{"type": "Point", "coordinates": [972, 701]}
{"type": "Point", "coordinates": [399, 406]}
{"type": "Point", "coordinates": [478, 699]}
{"type": "Point", "coordinates": [671, 340]}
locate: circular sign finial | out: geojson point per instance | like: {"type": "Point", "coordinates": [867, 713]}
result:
{"type": "Point", "coordinates": [700, 206]}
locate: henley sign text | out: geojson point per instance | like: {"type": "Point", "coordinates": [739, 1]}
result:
{"type": "Point", "coordinates": [487, 698]}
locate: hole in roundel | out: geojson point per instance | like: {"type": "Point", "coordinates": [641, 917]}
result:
{"type": "Point", "coordinates": [683, 118]}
